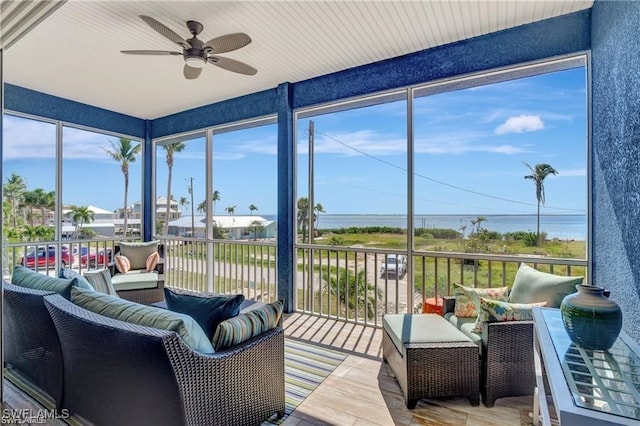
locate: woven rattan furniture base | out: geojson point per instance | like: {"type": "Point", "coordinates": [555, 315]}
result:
{"type": "Point", "coordinates": [434, 369]}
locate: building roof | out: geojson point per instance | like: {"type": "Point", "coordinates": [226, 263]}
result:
{"type": "Point", "coordinates": [224, 222]}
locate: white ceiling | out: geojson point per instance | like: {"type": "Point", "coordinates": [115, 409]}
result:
{"type": "Point", "coordinates": [75, 52]}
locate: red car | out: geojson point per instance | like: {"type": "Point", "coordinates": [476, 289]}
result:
{"type": "Point", "coordinates": [46, 256]}
{"type": "Point", "coordinates": [95, 259]}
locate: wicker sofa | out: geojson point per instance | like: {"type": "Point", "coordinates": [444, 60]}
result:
{"type": "Point", "coordinates": [31, 345]}
{"type": "Point", "coordinates": [119, 373]}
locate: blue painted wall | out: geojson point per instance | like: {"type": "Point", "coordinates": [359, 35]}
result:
{"type": "Point", "coordinates": [237, 109]}
{"type": "Point", "coordinates": [616, 155]}
{"type": "Point", "coordinates": [27, 101]}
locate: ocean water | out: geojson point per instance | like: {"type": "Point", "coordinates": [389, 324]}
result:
{"type": "Point", "coordinates": [564, 227]}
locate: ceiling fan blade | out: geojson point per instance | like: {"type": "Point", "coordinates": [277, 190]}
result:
{"type": "Point", "coordinates": [150, 52]}
{"type": "Point", "coordinates": [191, 73]}
{"type": "Point", "coordinates": [227, 43]}
{"type": "Point", "coordinates": [166, 32]}
{"type": "Point", "coordinates": [232, 65]}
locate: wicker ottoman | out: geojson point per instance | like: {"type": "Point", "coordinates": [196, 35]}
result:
{"type": "Point", "coordinates": [431, 358]}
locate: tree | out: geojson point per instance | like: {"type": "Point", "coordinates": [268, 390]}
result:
{"type": "Point", "coordinates": [538, 175]}
{"type": "Point", "coordinates": [215, 197]}
{"type": "Point", "coordinates": [124, 152]}
{"type": "Point", "coordinates": [43, 201]}
{"type": "Point", "coordinates": [202, 207]}
{"type": "Point", "coordinates": [14, 190]}
{"type": "Point", "coordinates": [183, 202]}
{"type": "Point", "coordinates": [230, 210]}
{"type": "Point", "coordinates": [352, 290]}
{"type": "Point", "coordinates": [317, 209]}
{"type": "Point", "coordinates": [303, 215]}
{"type": "Point", "coordinates": [256, 228]}
{"type": "Point", "coordinates": [252, 208]}
{"type": "Point", "coordinates": [79, 216]}
{"type": "Point", "coordinates": [170, 150]}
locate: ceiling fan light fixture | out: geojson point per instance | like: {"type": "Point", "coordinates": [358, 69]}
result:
{"type": "Point", "coordinates": [195, 61]}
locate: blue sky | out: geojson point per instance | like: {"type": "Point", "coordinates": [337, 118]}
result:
{"type": "Point", "coordinates": [466, 142]}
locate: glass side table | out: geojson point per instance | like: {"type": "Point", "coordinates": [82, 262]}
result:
{"type": "Point", "coordinates": [587, 387]}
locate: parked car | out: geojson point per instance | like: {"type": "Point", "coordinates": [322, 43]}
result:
{"type": "Point", "coordinates": [46, 256]}
{"type": "Point", "coordinates": [395, 265]}
{"type": "Point", "coordinates": [92, 260]}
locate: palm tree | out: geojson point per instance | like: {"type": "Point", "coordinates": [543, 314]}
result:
{"type": "Point", "coordinates": [538, 175]}
{"type": "Point", "coordinates": [14, 190]}
{"type": "Point", "coordinates": [252, 208]}
{"type": "Point", "coordinates": [183, 202]}
{"type": "Point", "coordinates": [125, 153]}
{"type": "Point", "coordinates": [43, 201]}
{"type": "Point", "coordinates": [202, 207]}
{"type": "Point", "coordinates": [352, 290]}
{"type": "Point", "coordinates": [231, 210]}
{"type": "Point", "coordinates": [170, 150]}
{"type": "Point", "coordinates": [316, 214]}
{"type": "Point", "coordinates": [215, 197]}
{"type": "Point", "coordinates": [303, 217]}
{"type": "Point", "coordinates": [79, 216]}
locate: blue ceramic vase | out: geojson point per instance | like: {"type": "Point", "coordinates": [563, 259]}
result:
{"type": "Point", "coordinates": [592, 320]}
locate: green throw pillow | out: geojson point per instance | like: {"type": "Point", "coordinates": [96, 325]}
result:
{"type": "Point", "coordinates": [149, 316]}
{"type": "Point", "coordinates": [532, 286]}
{"type": "Point", "coordinates": [247, 325]}
{"type": "Point", "coordinates": [137, 253]}
{"type": "Point", "coordinates": [69, 273]}
{"type": "Point", "coordinates": [25, 277]}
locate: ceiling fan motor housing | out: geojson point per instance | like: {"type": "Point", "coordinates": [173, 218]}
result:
{"type": "Point", "coordinates": [196, 56]}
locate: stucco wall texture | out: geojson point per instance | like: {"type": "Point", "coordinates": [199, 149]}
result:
{"type": "Point", "coordinates": [615, 47]}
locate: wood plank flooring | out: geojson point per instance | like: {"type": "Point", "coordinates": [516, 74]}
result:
{"type": "Point", "coordinates": [361, 391]}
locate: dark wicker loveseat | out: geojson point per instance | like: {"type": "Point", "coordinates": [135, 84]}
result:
{"type": "Point", "coordinates": [506, 367]}
{"type": "Point", "coordinates": [31, 345]}
{"type": "Point", "coordinates": [118, 373]}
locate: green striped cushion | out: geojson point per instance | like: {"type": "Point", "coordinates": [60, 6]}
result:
{"type": "Point", "coordinates": [247, 325]}
{"type": "Point", "coordinates": [101, 281]}
{"type": "Point", "coordinates": [149, 316]}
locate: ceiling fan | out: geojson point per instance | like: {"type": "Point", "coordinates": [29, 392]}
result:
{"type": "Point", "coordinates": [196, 53]}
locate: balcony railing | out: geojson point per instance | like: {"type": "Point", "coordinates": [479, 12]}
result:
{"type": "Point", "coordinates": [338, 282]}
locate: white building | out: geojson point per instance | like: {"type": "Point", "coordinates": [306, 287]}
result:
{"type": "Point", "coordinates": [235, 227]}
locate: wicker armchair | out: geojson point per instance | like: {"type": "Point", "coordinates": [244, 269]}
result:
{"type": "Point", "coordinates": [118, 373]}
{"type": "Point", "coordinates": [146, 296]}
{"type": "Point", "coordinates": [507, 367]}
{"type": "Point", "coordinates": [31, 345]}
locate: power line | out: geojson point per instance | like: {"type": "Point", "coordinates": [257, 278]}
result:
{"type": "Point", "coordinates": [388, 163]}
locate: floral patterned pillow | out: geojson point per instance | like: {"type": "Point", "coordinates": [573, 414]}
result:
{"type": "Point", "coordinates": [468, 299]}
{"type": "Point", "coordinates": [500, 311]}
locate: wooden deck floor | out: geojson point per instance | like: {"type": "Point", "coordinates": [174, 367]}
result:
{"type": "Point", "coordinates": [361, 391]}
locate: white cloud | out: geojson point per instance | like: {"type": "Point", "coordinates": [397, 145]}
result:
{"type": "Point", "coordinates": [519, 124]}
{"type": "Point", "coordinates": [462, 143]}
